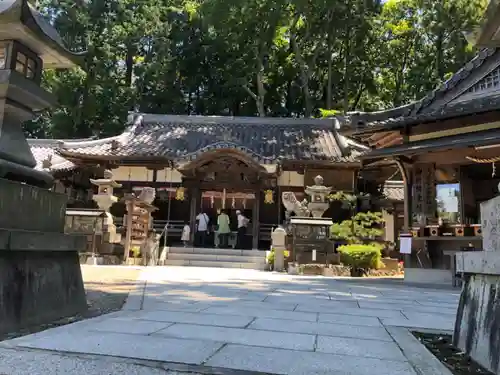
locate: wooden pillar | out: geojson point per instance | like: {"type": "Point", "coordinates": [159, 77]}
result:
{"type": "Point", "coordinates": [128, 226]}
{"type": "Point", "coordinates": [255, 220]}
{"type": "Point", "coordinates": [194, 197]}
{"type": "Point", "coordinates": [408, 186]}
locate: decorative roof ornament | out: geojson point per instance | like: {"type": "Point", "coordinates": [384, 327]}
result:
{"type": "Point", "coordinates": [47, 163]}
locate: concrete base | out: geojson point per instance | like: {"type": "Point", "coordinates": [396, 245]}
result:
{"type": "Point", "coordinates": [39, 287]}
{"type": "Point", "coordinates": [428, 276]}
{"type": "Point", "coordinates": [477, 328]}
{"type": "Point", "coordinates": [40, 277]}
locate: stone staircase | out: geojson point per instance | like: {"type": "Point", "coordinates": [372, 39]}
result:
{"type": "Point", "coordinates": [224, 258]}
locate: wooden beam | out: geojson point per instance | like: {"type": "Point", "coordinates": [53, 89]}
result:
{"type": "Point", "coordinates": [455, 156]}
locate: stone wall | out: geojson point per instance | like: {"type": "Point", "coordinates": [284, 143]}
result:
{"type": "Point", "coordinates": [38, 287]}
{"type": "Point", "coordinates": [477, 328]}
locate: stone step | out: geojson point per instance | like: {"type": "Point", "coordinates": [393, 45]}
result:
{"type": "Point", "coordinates": [216, 264]}
{"type": "Point", "coordinates": [215, 251]}
{"type": "Point", "coordinates": [215, 257]}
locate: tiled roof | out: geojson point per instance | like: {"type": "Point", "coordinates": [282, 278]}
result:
{"type": "Point", "coordinates": [45, 149]}
{"type": "Point", "coordinates": [266, 139]}
{"type": "Point", "coordinates": [394, 190]}
{"type": "Point", "coordinates": [426, 109]}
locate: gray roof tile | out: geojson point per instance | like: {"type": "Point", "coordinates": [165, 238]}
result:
{"type": "Point", "coordinates": [423, 109]}
{"type": "Point", "coordinates": [266, 139]}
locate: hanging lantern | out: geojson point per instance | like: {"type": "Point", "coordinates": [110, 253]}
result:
{"type": "Point", "coordinates": [268, 197]}
{"type": "Point", "coordinates": [179, 194]}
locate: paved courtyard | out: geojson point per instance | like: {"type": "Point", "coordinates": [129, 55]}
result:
{"type": "Point", "coordinates": [246, 320]}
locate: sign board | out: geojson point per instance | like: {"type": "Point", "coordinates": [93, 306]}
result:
{"type": "Point", "coordinates": [405, 244]}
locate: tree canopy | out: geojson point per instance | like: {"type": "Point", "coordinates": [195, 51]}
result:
{"type": "Point", "coordinates": [248, 57]}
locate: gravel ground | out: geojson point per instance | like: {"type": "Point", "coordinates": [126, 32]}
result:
{"type": "Point", "coordinates": [455, 360]}
{"type": "Point", "coordinates": [106, 287]}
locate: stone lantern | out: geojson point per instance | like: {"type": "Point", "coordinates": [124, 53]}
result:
{"type": "Point", "coordinates": [105, 199]}
{"type": "Point", "coordinates": [318, 193]}
{"type": "Point", "coordinates": [41, 274]}
{"type": "Point", "coordinates": [28, 43]}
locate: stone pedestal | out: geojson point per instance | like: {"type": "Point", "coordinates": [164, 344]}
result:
{"type": "Point", "coordinates": [40, 276]}
{"type": "Point", "coordinates": [278, 240]}
{"type": "Point", "coordinates": [477, 327]}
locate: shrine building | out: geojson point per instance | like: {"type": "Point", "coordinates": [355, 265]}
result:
{"type": "Point", "coordinates": [206, 163]}
{"type": "Point", "coordinates": [447, 148]}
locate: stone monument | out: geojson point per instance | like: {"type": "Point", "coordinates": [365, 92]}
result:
{"type": "Point", "coordinates": [477, 326]}
{"type": "Point", "coordinates": [309, 235]}
{"type": "Point", "coordinates": [40, 277]}
{"type": "Point", "coordinates": [105, 199]}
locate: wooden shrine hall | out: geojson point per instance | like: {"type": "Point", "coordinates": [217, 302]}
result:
{"type": "Point", "coordinates": [207, 163]}
{"type": "Point", "coordinates": [447, 147]}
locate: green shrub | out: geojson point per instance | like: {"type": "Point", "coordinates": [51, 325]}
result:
{"type": "Point", "coordinates": [361, 256]}
{"type": "Point", "coordinates": [270, 256]}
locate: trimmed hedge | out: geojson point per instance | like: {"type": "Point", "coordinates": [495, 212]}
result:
{"type": "Point", "coordinates": [361, 256]}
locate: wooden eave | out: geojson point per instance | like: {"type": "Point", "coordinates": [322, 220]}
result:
{"type": "Point", "coordinates": [301, 164]}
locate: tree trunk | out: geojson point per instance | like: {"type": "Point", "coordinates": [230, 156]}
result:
{"type": "Point", "coordinates": [129, 66]}
{"type": "Point", "coordinates": [304, 76]}
{"type": "Point", "coordinates": [347, 57]}
{"type": "Point", "coordinates": [329, 99]}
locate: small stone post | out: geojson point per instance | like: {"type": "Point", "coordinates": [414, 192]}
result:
{"type": "Point", "coordinates": [278, 240]}
{"type": "Point", "coordinates": [105, 199]}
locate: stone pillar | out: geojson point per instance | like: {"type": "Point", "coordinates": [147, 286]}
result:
{"type": "Point", "coordinates": [477, 326]}
{"type": "Point", "coordinates": [278, 240]}
{"type": "Point", "coordinates": [105, 199]}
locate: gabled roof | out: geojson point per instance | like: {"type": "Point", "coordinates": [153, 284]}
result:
{"type": "Point", "coordinates": [473, 89]}
{"type": "Point", "coordinates": [46, 150]}
{"type": "Point", "coordinates": [183, 138]}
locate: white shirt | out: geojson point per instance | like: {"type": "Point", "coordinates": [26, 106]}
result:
{"type": "Point", "coordinates": [202, 222]}
{"type": "Point", "coordinates": [242, 221]}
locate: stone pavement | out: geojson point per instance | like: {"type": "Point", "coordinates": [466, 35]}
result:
{"type": "Point", "coordinates": [220, 320]}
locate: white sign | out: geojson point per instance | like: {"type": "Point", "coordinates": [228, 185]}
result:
{"type": "Point", "coordinates": [405, 245]}
{"type": "Point", "coordinates": [314, 255]}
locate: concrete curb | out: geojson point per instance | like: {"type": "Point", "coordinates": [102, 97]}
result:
{"type": "Point", "coordinates": [135, 298]}
{"type": "Point", "coordinates": [422, 360]}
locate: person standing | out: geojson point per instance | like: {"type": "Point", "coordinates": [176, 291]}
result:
{"type": "Point", "coordinates": [202, 228]}
{"type": "Point", "coordinates": [242, 230]}
{"type": "Point", "coordinates": [186, 234]}
{"type": "Point", "coordinates": [223, 229]}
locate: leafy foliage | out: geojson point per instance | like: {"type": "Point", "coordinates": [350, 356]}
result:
{"type": "Point", "coordinates": [271, 255]}
{"type": "Point", "coordinates": [248, 57]}
{"type": "Point", "coordinates": [363, 226]}
{"type": "Point", "coordinates": [361, 256]}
